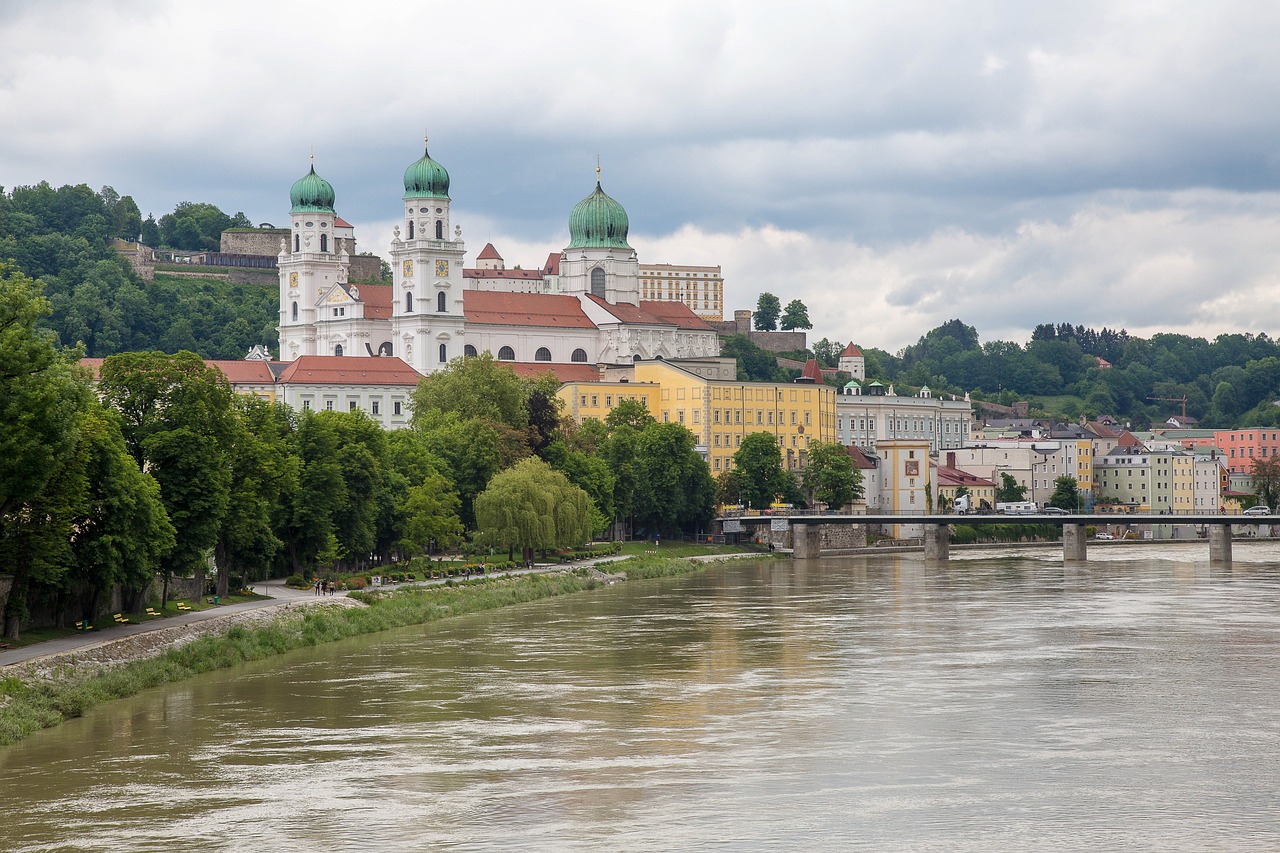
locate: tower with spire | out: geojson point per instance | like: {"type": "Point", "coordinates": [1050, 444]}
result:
{"type": "Point", "coordinates": [598, 260]}
{"type": "Point", "coordinates": [426, 260]}
{"type": "Point", "coordinates": [308, 263]}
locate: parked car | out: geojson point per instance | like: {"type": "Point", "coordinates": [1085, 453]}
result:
{"type": "Point", "coordinates": [1103, 536]}
{"type": "Point", "coordinates": [1258, 510]}
{"type": "Point", "coordinates": [1054, 510]}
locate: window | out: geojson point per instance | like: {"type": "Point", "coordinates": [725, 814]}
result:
{"type": "Point", "coordinates": [351, 407]}
{"type": "Point", "coordinates": [337, 351]}
{"type": "Point", "coordinates": [579, 355]}
{"type": "Point", "coordinates": [408, 303]}
{"type": "Point", "coordinates": [373, 407]}
{"type": "Point", "coordinates": [439, 229]}
{"type": "Point", "coordinates": [597, 282]}
{"type": "Point", "coordinates": [410, 229]}
{"type": "Point", "coordinates": [543, 354]}
{"type": "Point", "coordinates": [595, 400]}
{"type": "Point", "coordinates": [395, 407]}
{"type": "Point", "coordinates": [469, 351]}
{"type": "Point", "coordinates": [306, 405]}
{"type": "Point", "coordinates": [506, 354]}
{"type": "Point", "coordinates": [328, 405]}
{"type": "Point", "coordinates": [444, 353]}
{"type": "Point", "coordinates": [297, 242]}
{"type": "Point", "coordinates": [324, 242]}
{"type": "Point", "coordinates": [440, 302]}
{"type": "Point", "coordinates": [295, 312]}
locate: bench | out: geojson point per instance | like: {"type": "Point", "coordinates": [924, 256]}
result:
{"type": "Point", "coordinates": [3, 646]}
{"type": "Point", "coordinates": [184, 607]}
{"type": "Point", "coordinates": [120, 618]}
{"type": "Point", "coordinates": [151, 611]}
{"type": "Point", "coordinates": [83, 625]}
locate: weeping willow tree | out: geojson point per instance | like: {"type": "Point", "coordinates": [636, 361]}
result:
{"type": "Point", "coordinates": [532, 507]}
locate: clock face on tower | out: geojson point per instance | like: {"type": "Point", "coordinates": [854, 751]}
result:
{"type": "Point", "coordinates": [442, 268]}
{"type": "Point", "coordinates": [293, 279]}
{"type": "Point", "coordinates": [408, 269]}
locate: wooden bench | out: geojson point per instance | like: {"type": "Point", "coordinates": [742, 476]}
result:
{"type": "Point", "coordinates": [83, 625]}
{"type": "Point", "coordinates": [184, 607]}
{"type": "Point", "coordinates": [120, 618]}
{"type": "Point", "coordinates": [151, 611]}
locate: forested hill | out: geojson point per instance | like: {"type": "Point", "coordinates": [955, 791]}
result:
{"type": "Point", "coordinates": [62, 237]}
{"type": "Point", "coordinates": [1230, 381]}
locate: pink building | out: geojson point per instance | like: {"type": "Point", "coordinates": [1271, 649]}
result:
{"type": "Point", "coordinates": [1241, 446]}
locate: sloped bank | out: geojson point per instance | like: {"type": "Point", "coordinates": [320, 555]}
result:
{"type": "Point", "coordinates": [46, 692]}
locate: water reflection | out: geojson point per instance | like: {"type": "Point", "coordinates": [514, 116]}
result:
{"type": "Point", "coordinates": [998, 702]}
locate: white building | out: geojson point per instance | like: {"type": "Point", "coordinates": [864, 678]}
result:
{"type": "Point", "coordinates": [867, 415]}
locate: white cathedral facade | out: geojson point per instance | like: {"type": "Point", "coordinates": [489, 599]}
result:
{"type": "Point", "coordinates": [434, 311]}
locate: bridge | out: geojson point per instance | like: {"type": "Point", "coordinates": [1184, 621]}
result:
{"type": "Point", "coordinates": [806, 529]}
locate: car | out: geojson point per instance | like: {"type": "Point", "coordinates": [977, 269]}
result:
{"type": "Point", "coordinates": [1107, 536]}
{"type": "Point", "coordinates": [1258, 510]}
{"type": "Point", "coordinates": [1054, 510]}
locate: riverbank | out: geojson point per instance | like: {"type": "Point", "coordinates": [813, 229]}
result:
{"type": "Point", "coordinates": [52, 689]}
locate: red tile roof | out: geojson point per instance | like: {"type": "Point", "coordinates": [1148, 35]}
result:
{"type": "Point", "coordinates": [812, 371]}
{"type": "Point", "coordinates": [563, 372]}
{"type": "Point", "coordinates": [245, 372]}
{"type": "Point", "coordinates": [956, 477]}
{"type": "Point", "coordinates": [535, 275]}
{"type": "Point", "coordinates": [860, 459]}
{"type": "Point", "coordinates": [677, 314]}
{"type": "Point", "coordinates": [1128, 439]}
{"type": "Point", "coordinates": [94, 366]}
{"type": "Point", "coordinates": [349, 370]}
{"type": "Point", "coordinates": [488, 253]}
{"type": "Point", "coordinates": [339, 222]}
{"type": "Point", "coordinates": [628, 313]}
{"type": "Point", "coordinates": [496, 308]}
{"type": "Point", "coordinates": [552, 265]}
{"type": "Point", "coordinates": [377, 299]}
{"type": "Point", "coordinates": [850, 350]}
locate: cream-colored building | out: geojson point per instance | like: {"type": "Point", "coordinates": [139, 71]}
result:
{"type": "Point", "coordinates": [867, 414]}
{"type": "Point", "coordinates": [699, 287]}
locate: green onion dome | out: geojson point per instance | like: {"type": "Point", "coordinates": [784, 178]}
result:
{"type": "Point", "coordinates": [598, 222]}
{"type": "Point", "coordinates": [426, 179]}
{"type": "Point", "coordinates": [311, 193]}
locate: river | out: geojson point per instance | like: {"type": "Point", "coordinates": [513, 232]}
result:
{"type": "Point", "coordinates": [1000, 702]}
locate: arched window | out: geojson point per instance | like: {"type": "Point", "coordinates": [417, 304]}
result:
{"type": "Point", "coordinates": [337, 350]}
{"type": "Point", "coordinates": [295, 312]}
{"type": "Point", "coordinates": [543, 354]}
{"type": "Point", "coordinates": [597, 282]}
{"type": "Point", "coordinates": [297, 242]}
{"type": "Point", "coordinates": [469, 351]}
{"type": "Point", "coordinates": [579, 355]}
{"type": "Point", "coordinates": [408, 303]}
{"type": "Point", "coordinates": [506, 354]}
{"type": "Point", "coordinates": [444, 354]}
{"type": "Point", "coordinates": [440, 302]}
{"type": "Point", "coordinates": [324, 242]}
{"type": "Point", "coordinates": [439, 229]}
{"type": "Point", "coordinates": [410, 229]}
{"type": "Point", "coordinates": [635, 357]}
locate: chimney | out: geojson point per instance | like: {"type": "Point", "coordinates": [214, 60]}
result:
{"type": "Point", "coordinates": [951, 459]}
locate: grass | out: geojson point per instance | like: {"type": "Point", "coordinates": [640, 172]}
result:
{"type": "Point", "coordinates": [681, 549]}
{"type": "Point", "coordinates": [28, 706]}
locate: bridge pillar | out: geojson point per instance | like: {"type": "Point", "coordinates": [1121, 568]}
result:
{"type": "Point", "coordinates": [1073, 543]}
{"type": "Point", "coordinates": [806, 541]}
{"type": "Point", "coordinates": [937, 542]}
{"type": "Point", "coordinates": [1220, 544]}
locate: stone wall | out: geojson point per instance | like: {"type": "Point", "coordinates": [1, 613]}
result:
{"type": "Point", "coordinates": [770, 341]}
{"type": "Point", "coordinates": [245, 275]}
{"type": "Point", "coordinates": [259, 241]}
{"type": "Point", "coordinates": [366, 269]}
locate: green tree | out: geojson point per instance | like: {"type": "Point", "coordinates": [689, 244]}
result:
{"type": "Point", "coordinates": [827, 352]}
{"type": "Point", "coordinates": [758, 462]}
{"type": "Point", "coordinates": [177, 423]}
{"type": "Point", "coordinates": [673, 489]}
{"type": "Point", "coordinates": [1009, 491]}
{"type": "Point", "coordinates": [830, 476]}
{"type": "Point", "coordinates": [768, 307]}
{"type": "Point", "coordinates": [1066, 494]}
{"type": "Point", "coordinates": [531, 507]}
{"type": "Point", "coordinates": [796, 316]}
{"type": "Point", "coordinates": [475, 387]}
{"type": "Point", "coordinates": [150, 232]}
{"type": "Point", "coordinates": [1266, 480]}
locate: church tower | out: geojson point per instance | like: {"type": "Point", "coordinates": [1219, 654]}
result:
{"type": "Point", "coordinates": [598, 259]}
{"type": "Point", "coordinates": [426, 261]}
{"type": "Point", "coordinates": [309, 267]}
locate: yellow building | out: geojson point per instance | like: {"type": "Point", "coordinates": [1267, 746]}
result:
{"type": "Point", "coordinates": [719, 412]}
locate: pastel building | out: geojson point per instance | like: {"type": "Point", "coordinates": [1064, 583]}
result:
{"type": "Point", "coordinates": [869, 413]}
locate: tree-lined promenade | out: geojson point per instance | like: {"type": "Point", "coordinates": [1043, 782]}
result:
{"type": "Point", "coordinates": [162, 466]}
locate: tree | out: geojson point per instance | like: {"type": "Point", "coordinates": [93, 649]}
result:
{"type": "Point", "coordinates": [758, 462]}
{"type": "Point", "coordinates": [1066, 494]}
{"type": "Point", "coordinates": [1266, 480]}
{"type": "Point", "coordinates": [830, 476]}
{"type": "Point", "coordinates": [150, 232]}
{"type": "Point", "coordinates": [827, 352]}
{"type": "Point", "coordinates": [768, 307]}
{"type": "Point", "coordinates": [673, 489]}
{"type": "Point", "coordinates": [531, 507]}
{"type": "Point", "coordinates": [475, 387]}
{"type": "Point", "coordinates": [1009, 491]}
{"type": "Point", "coordinates": [177, 423]}
{"type": "Point", "coordinates": [796, 316]}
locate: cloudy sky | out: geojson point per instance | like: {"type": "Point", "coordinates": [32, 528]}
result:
{"type": "Point", "coordinates": [892, 165]}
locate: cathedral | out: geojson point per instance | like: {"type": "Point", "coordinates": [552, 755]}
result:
{"type": "Point", "coordinates": [585, 308]}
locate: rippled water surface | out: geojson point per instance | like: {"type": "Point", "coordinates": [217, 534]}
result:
{"type": "Point", "coordinates": [1001, 702]}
